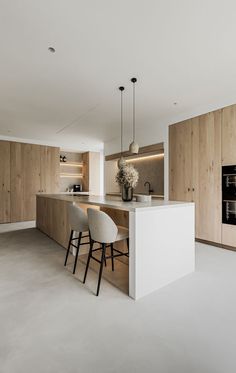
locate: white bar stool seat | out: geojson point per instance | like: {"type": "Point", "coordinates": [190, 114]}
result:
{"type": "Point", "coordinates": [103, 230]}
{"type": "Point", "coordinates": [78, 222]}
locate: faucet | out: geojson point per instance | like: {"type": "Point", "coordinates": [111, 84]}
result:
{"type": "Point", "coordinates": [149, 187]}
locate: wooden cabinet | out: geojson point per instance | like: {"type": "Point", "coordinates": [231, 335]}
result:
{"type": "Point", "coordinates": [228, 131]}
{"type": "Point", "coordinates": [195, 170]}
{"type": "Point", "coordinates": [4, 181]}
{"type": "Point", "coordinates": [25, 170]}
{"type": "Point", "coordinates": [91, 172]}
{"type": "Point", "coordinates": [180, 161]}
{"type": "Point", "coordinates": [229, 135]}
{"type": "Point", "coordinates": [206, 175]}
{"type": "Point", "coordinates": [25, 180]}
{"type": "Point", "coordinates": [49, 169]}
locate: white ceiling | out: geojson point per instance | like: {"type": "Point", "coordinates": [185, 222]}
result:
{"type": "Point", "coordinates": [181, 51]}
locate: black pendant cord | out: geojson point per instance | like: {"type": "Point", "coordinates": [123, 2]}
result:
{"type": "Point", "coordinates": [133, 111]}
{"type": "Point", "coordinates": [121, 120]}
{"type": "Point", "coordinates": [134, 80]}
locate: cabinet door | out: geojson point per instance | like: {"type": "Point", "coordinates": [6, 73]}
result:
{"type": "Point", "coordinates": [4, 181]}
{"type": "Point", "coordinates": [86, 171]}
{"type": "Point", "coordinates": [180, 161]}
{"type": "Point", "coordinates": [229, 135]}
{"type": "Point", "coordinates": [25, 180]}
{"type": "Point", "coordinates": [206, 168]}
{"type": "Point", "coordinates": [50, 169]}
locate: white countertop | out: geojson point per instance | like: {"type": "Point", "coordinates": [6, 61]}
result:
{"type": "Point", "coordinates": [116, 202]}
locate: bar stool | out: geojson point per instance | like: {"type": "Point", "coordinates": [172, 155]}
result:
{"type": "Point", "coordinates": [78, 221]}
{"type": "Point", "coordinates": [104, 231]}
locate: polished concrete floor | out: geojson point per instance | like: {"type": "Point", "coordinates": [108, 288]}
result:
{"type": "Point", "coordinates": [51, 323]}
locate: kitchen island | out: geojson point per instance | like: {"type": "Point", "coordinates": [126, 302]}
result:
{"type": "Point", "coordinates": [161, 233]}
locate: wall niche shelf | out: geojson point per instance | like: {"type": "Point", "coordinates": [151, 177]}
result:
{"type": "Point", "coordinates": [72, 164]}
{"type": "Point", "coordinates": [71, 175]}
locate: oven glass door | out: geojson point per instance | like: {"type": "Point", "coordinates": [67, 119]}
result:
{"type": "Point", "coordinates": [229, 212]}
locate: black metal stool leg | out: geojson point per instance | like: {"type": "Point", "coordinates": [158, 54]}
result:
{"type": "Point", "coordinates": [127, 240]}
{"type": "Point", "coordinates": [77, 251]}
{"type": "Point", "coordinates": [112, 258]}
{"type": "Point", "coordinates": [68, 249]}
{"type": "Point", "coordinates": [88, 260]}
{"type": "Point", "coordinates": [101, 266]}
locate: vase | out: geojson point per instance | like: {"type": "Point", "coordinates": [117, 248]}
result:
{"type": "Point", "coordinates": [127, 193]}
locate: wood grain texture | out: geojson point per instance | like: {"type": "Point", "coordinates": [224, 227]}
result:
{"type": "Point", "coordinates": [229, 135]}
{"type": "Point", "coordinates": [91, 172]}
{"type": "Point", "coordinates": [180, 161]}
{"type": "Point", "coordinates": [49, 169]}
{"type": "Point", "coordinates": [94, 173]}
{"type": "Point", "coordinates": [85, 181]}
{"type": "Point", "coordinates": [206, 175]}
{"type": "Point", "coordinates": [25, 180]}
{"type": "Point", "coordinates": [34, 168]}
{"type": "Point", "coordinates": [5, 182]}
{"type": "Point", "coordinates": [52, 219]}
{"type": "Point", "coordinates": [229, 235]}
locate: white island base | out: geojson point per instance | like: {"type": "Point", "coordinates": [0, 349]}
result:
{"type": "Point", "coordinates": [162, 247]}
{"type": "Point", "coordinates": [161, 233]}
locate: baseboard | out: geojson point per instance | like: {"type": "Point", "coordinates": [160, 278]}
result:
{"type": "Point", "coordinates": [226, 247]}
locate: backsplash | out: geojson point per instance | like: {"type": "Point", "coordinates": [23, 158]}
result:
{"type": "Point", "coordinates": [150, 169]}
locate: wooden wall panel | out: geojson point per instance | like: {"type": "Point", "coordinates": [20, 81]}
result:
{"type": "Point", "coordinates": [49, 169]}
{"type": "Point", "coordinates": [206, 175]}
{"type": "Point", "coordinates": [229, 135]}
{"type": "Point", "coordinates": [25, 180]}
{"type": "Point", "coordinates": [31, 174]}
{"type": "Point", "coordinates": [4, 181]}
{"type": "Point", "coordinates": [85, 181]}
{"type": "Point", "coordinates": [17, 209]}
{"type": "Point", "coordinates": [180, 161]}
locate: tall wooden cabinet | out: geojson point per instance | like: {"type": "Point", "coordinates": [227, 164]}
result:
{"type": "Point", "coordinates": [49, 169]}
{"type": "Point", "coordinates": [91, 172]}
{"type": "Point", "coordinates": [195, 170]}
{"type": "Point", "coordinates": [229, 135]}
{"type": "Point", "coordinates": [25, 180]}
{"type": "Point", "coordinates": [180, 161]}
{"type": "Point", "coordinates": [228, 132]}
{"type": "Point", "coordinates": [25, 170]}
{"type": "Point", "coordinates": [4, 181]}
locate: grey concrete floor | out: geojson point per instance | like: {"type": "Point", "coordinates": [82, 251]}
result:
{"type": "Point", "coordinates": [51, 322]}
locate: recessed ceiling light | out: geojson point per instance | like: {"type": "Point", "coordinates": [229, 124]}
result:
{"type": "Point", "coordinates": [52, 50]}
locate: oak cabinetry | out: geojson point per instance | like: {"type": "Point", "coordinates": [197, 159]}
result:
{"type": "Point", "coordinates": [4, 181]}
{"type": "Point", "coordinates": [25, 180]}
{"type": "Point", "coordinates": [195, 170]}
{"type": "Point", "coordinates": [206, 175]}
{"type": "Point", "coordinates": [91, 172]}
{"type": "Point", "coordinates": [180, 161]}
{"type": "Point", "coordinates": [229, 135]}
{"type": "Point", "coordinates": [228, 131]}
{"type": "Point", "coordinates": [49, 169]}
{"type": "Point", "coordinates": [229, 235]}
{"type": "Point", "coordinates": [25, 170]}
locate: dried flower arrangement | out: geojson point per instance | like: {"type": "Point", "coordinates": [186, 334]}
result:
{"type": "Point", "coordinates": [127, 176]}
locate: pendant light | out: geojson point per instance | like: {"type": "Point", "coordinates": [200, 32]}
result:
{"type": "Point", "coordinates": [134, 147]}
{"type": "Point", "coordinates": [121, 161]}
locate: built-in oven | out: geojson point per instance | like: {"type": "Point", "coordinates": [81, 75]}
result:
{"type": "Point", "coordinates": [229, 195]}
